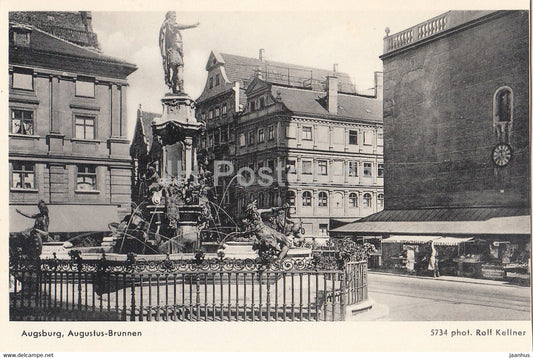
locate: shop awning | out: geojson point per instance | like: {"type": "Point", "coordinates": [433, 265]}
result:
{"type": "Point", "coordinates": [404, 239]}
{"type": "Point", "coordinates": [452, 241]}
{"type": "Point", "coordinates": [419, 240]}
{"type": "Point", "coordinates": [66, 218]}
{"type": "Point", "coordinates": [515, 225]}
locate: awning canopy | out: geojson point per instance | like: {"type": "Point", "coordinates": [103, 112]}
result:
{"type": "Point", "coordinates": [409, 239]}
{"type": "Point", "coordinates": [452, 241]}
{"type": "Point", "coordinates": [420, 240]}
{"type": "Point", "coordinates": [515, 225]}
{"type": "Point", "coordinates": [66, 218]}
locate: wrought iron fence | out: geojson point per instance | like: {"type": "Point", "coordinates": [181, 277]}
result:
{"type": "Point", "coordinates": [310, 289]}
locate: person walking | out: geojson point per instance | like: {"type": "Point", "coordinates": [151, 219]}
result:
{"type": "Point", "coordinates": [433, 264]}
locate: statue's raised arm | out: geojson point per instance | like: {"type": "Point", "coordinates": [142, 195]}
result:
{"type": "Point", "coordinates": [171, 46]}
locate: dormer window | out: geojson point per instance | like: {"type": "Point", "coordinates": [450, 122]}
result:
{"type": "Point", "coordinates": [210, 82]}
{"type": "Point", "coordinates": [22, 78]}
{"type": "Point", "coordinates": [252, 106]}
{"type": "Point", "coordinates": [85, 87]}
{"type": "Point", "coordinates": [217, 80]}
{"type": "Point", "coordinates": [20, 36]}
{"type": "Point", "coordinates": [261, 102]}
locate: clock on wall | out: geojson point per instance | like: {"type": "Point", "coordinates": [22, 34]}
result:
{"type": "Point", "coordinates": [502, 154]}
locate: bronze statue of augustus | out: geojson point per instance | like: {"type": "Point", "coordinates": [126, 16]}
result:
{"type": "Point", "coordinates": [171, 46]}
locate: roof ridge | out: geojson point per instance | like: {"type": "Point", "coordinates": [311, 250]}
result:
{"type": "Point", "coordinates": [287, 64]}
{"type": "Point", "coordinates": [90, 49]}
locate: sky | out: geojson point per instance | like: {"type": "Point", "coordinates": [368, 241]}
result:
{"type": "Point", "coordinates": [310, 33]}
{"type": "Point", "coordinates": [351, 39]}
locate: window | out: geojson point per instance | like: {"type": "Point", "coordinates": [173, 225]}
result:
{"type": "Point", "coordinates": [367, 138]}
{"type": "Point", "coordinates": [242, 140]}
{"type": "Point", "coordinates": [367, 200]}
{"type": "Point", "coordinates": [291, 166]}
{"type": "Point", "coordinates": [323, 229]}
{"type": "Point", "coordinates": [261, 136]}
{"type": "Point", "coordinates": [211, 114]}
{"type": "Point", "coordinates": [217, 80]}
{"type": "Point", "coordinates": [252, 106]}
{"type": "Point", "coordinates": [352, 139]}
{"type": "Point", "coordinates": [272, 165]}
{"type": "Point", "coordinates": [503, 105]}
{"type": "Point", "coordinates": [261, 102]}
{"type": "Point", "coordinates": [210, 82]}
{"type": "Point", "coordinates": [322, 199]}
{"type": "Point", "coordinates": [86, 178]}
{"type": "Point", "coordinates": [84, 127]}
{"type": "Point", "coordinates": [261, 200]}
{"type": "Point", "coordinates": [380, 139]}
{"type": "Point", "coordinates": [271, 133]}
{"type": "Point", "coordinates": [210, 139]}
{"type": "Point", "coordinates": [380, 170]}
{"type": "Point", "coordinates": [22, 121]}
{"type": "Point", "coordinates": [291, 198]}
{"type": "Point", "coordinates": [251, 138]}
{"type": "Point", "coordinates": [352, 200]}
{"type": "Point", "coordinates": [271, 198]}
{"type": "Point", "coordinates": [22, 79]}
{"type": "Point", "coordinates": [367, 169]}
{"type": "Point", "coordinates": [307, 133]}
{"type": "Point", "coordinates": [224, 135]}
{"type": "Point", "coordinates": [23, 175]}
{"type": "Point", "coordinates": [323, 167]}
{"type": "Point", "coordinates": [224, 109]}
{"type": "Point", "coordinates": [217, 137]}
{"type": "Point", "coordinates": [85, 87]}
{"type": "Point", "coordinates": [306, 198]}
{"type": "Point", "coordinates": [352, 169]}
{"type": "Point", "coordinates": [380, 201]}
{"type": "Point", "coordinates": [307, 167]}
{"type": "Point", "coordinates": [217, 112]}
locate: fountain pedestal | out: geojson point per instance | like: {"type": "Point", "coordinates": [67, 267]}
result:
{"type": "Point", "coordinates": [178, 125]}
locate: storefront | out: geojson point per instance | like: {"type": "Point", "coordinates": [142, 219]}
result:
{"type": "Point", "coordinates": [490, 247]}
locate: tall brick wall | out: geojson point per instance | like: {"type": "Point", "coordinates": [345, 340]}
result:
{"type": "Point", "coordinates": [438, 118]}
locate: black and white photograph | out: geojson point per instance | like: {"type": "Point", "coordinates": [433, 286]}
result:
{"type": "Point", "coordinates": [360, 167]}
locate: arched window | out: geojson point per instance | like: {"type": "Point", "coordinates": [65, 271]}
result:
{"type": "Point", "coordinates": [291, 198]}
{"type": "Point", "coordinates": [380, 201]}
{"type": "Point", "coordinates": [367, 200]}
{"type": "Point", "coordinates": [503, 113]}
{"type": "Point", "coordinates": [261, 200]}
{"type": "Point", "coordinates": [503, 103]}
{"type": "Point", "coordinates": [322, 199]}
{"type": "Point", "coordinates": [306, 198]}
{"type": "Point", "coordinates": [352, 200]}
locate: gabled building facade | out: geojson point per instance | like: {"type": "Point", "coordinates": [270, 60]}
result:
{"type": "Point", "coordinates": [321, 140]}
{"type": "Point", "coordinates": [67, 125]}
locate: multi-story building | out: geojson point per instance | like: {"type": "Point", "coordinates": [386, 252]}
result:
{"type": "Point", "coordinates": [321, 140]}
{"type": "Point", "coordinates": [456, 127]}
{"type": "Point", "coordinates": [67, 126]}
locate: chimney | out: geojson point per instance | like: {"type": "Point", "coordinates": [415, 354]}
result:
{"type": "Point", "coordinates": [332, 99]}
{"type": "Point", "coordinates": [335, 67]}
{"type": "Point", "coordinates": [378, 85]}
{"type": "Point", "coordinates": [262, 54]}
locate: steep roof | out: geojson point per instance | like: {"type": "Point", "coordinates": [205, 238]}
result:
{"type": "Point", "coordinates": [239, 68]}
{"type": "Point", "coordinates": [309, 102]}
{"type": "Point", "coordinates": [145, 120]}
{"type": "Point", "coordinates": [72, 26]}
{"type": "Point", "coordinates": [43, 41]}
